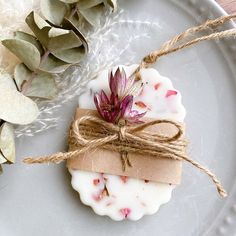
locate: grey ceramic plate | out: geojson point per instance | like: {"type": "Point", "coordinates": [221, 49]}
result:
{"type": "Point", "coordinates": [38, 200]}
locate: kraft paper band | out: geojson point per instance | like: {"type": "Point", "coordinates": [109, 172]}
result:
{"type": "Point", "coordinates": [148, 168]}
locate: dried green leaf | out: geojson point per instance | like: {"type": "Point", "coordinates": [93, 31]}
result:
{"type": "Point", "coordinates": [92, 15]}
{"type": "Point", "coordinates": [53, 65]}
{"type": "Point", "coordinates": [54, 10]}
{"type": "Point", "coordinates": [85, 4]}
{"type": "Point", "coordinates": [67, 24]}
{"type": "Point", "coordinates": [17, 108]}
{"type": "Point", "coordinates": [25, 51]}
{"type": "Point", "coordinates": [43, 86]}
{"type": "Point", "coordinates": [39, 27]}
{"type": "Point", "coordinates": [7, 142]}
{"type": "Point", "coordinates": [72, 56]}
{"type": "Point", "coordinates": [66, 41]}
{"type": "Point", "coordinates": [40, 22]}
{"type": "Point", "coordinates": [2, 161]}
{"type": "Point", "coordinates": [57, 41]}
{"type": "Point", "coordinates": [54, 32]}
{"type": "Point", "coordinates": [69, 1]}
{"type": "Point", "coordinates": [21, 75]}
{"type": "Point", "coordinates": [6, 81]}
{"type": "Point", "coordinates": [29, 38]}
{"type": "Point", "coordinates": [112, 4]}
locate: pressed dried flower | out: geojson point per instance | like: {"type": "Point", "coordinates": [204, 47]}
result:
{"type": "Point", "coordinates": [122, 85]}
{"type": "Point", "coordinates": [119, 104]}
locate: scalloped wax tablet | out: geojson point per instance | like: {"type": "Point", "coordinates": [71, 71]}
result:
{"type": "Point", "coordinates": [121, 197]}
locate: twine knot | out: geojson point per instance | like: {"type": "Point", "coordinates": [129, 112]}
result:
{"type": "Point", "coordinates": [122, 130]}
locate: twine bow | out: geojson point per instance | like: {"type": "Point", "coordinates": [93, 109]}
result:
{"type": "Point", "coordinates": [90, 132]}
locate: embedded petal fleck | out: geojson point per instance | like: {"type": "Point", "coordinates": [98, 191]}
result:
{"type": "Point", "coordinates": [171, 93]}
{"type": "Point", "coordinates": [141, 104]}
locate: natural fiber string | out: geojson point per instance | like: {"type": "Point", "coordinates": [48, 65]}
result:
{"type": "Point", "coordinates": [107, 136]}
{"type": "Point", "coordinates": [134, 139]}
{"type": "Point", "coordinates": [186, 39]}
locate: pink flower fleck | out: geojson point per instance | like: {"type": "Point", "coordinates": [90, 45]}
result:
{"type": "Point", "coordinates": [124, 179]}
{"type": "Point", "coordinates": [125, 212]}
{"type": "Point", "coordinates": [140, 104]}
{"type": "Point", "coordinates": [97, 197]}
{"type": "Point", "coordinates": [170, 93]}
{"type": "Point", "coordinates": [157, 86]}
{"type": "Point", "coordinates": [96, 182]}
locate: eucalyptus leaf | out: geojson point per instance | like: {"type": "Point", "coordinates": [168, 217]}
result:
{"type": "Point", "coordinates": [39, 27]}
{"type": "Point", "coordinates": [7, 142]}
{"type": "Point", "coordinates": [53, 65]}
{"type": "Point", "coordinates": [91, 10]}
{"type": "Point", "coordinates": [67, 24]}
{"type": "Point", "coordinates": [2, 160]}
{"type": "Point", "coordinates": [21, 75]}
{"type": "Point", "coordinates": [25, 51]}
{"type": "Point", "coordinates": [85, 4]}
{"type": "Point", "coordinates": [43, 86]}
{"type": "Point", "coordinates": [72, 56]}
{"type": "Point", "coordinates": [56, 39]}
{"type": "Point", "coordinates": [40, 22]}
{"type": "Point", "coordinates": [54, 32]}
{"type": "Point", "coordinates": [29, 38]}
{"type": "Point", "coordinates": [112, 4]}
{"type": "Point", "coordinates": [92, 15]}
{"type": "Point", "coordinates": [17, 108]}
{"type": "Point", "coordinates": [69, 1]}
{"type": "Point", "coordinates": [66, 41]}
{"type": "Point", "coordinates": [6, 81]}
{"type": "Point", "coordinates": [54, 10]}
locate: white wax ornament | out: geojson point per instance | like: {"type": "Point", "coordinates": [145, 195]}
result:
{"type": "Point", "coordinates": [121, 197]}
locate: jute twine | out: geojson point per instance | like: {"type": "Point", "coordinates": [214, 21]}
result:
{"type": "Point", "coordinates": [89, 132]}
{"type": "Point", "coordinates": [187, 39]}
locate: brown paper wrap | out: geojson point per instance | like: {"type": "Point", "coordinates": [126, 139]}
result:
{"type": "Point", "coordinates": [149, 168]}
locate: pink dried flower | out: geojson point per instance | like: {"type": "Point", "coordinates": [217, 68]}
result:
{"type": "Point", "coordinates": [122, 86]}
{"type": "Point", "coordinates": [119, 104]}
{"type": "Point", "coordinates": [107, 107]}
{"type": "Point", "coordinates": [129, 115]}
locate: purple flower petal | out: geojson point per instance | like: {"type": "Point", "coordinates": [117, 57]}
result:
{"type": "Point", "coordinates": [126, 105]}
{"type": "Point", "coordinates": [112, 83]}
{"type": "Point", "coordinates": [97, 102]}
{"type": "Point", "coordinates": [104, 98]}
{"type": "Point", "coordinates": [122, 83]}
{"type": "Point", "coordinates": [118, 105]}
